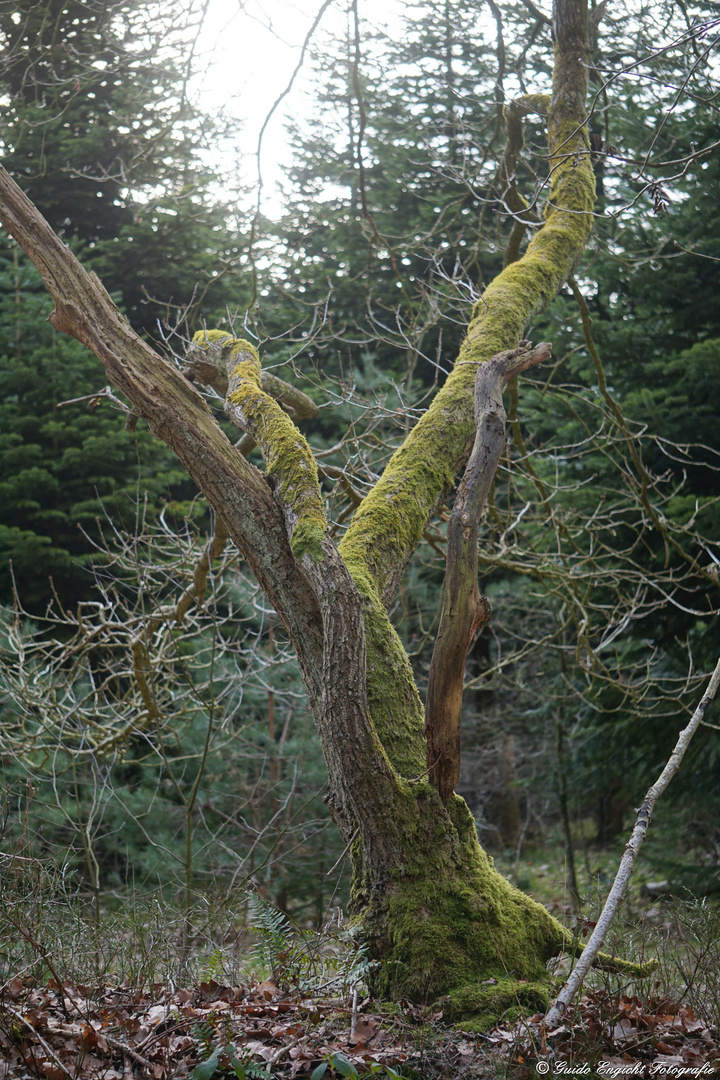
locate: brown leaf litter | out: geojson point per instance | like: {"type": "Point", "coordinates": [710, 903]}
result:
{"type": "Point", "coordinates": [56, 1032]}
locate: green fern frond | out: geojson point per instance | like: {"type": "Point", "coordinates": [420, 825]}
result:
{"type": "Point", "coordinates": [214, 964]}
{"type": "Point", "coordinates": [277, 947]}
{"type": "Point", "coordinates": [274, 927]}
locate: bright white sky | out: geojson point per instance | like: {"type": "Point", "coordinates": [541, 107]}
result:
{"type": "Point", "coordinates": [247, 55]}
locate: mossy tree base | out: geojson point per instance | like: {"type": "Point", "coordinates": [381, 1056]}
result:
{"type": "Point", "coordinates": [449, 928]}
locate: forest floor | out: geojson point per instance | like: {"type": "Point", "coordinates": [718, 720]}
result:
{"type": "Point", "coordinates": [64, 1014]}
{"type": "Point", "coordinates": [259, 1031]}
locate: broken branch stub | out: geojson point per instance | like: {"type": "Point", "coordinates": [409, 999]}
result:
{"type": "Point", "coordinates": [464, 610]}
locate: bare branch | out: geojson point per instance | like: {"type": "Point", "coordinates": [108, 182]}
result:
{"type": "Point", "coordinates": [464, 611]}
{"type": "Point", "coordinates": [159, 393]}
{"type": "Point", "coordinates": [642, 824]}
{"type": "Point", "coordinates": [537, 13]}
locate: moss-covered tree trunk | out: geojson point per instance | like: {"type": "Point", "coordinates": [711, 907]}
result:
{"type": "Point", "coordinates": [441, 919]}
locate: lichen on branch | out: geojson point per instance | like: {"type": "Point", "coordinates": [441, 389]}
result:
{"type": "Point", "coordinates": [289, 461]}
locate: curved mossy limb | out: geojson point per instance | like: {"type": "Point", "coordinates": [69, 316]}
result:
{"type": "Point", "coordinates": [389, 523]}
{"type": "Point", "coordinates": [288, 458]}
{"type": "Point", "coordinates": [614, 964]}
{"type": "Point", "coordinates": [626, 967]}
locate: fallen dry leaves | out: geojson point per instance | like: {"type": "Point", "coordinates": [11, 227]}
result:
{"type": "Point", "coordinates": [617, 1036]}
{"type": "Point", "coordinates": [118, 1033]}
{"type": "Point", "coordinates": [114, 1033]}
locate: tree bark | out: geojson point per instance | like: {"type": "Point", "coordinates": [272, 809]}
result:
{"type": "Point", "coordinates": [437, 914]}
{"type": "Point", "coordinates": [464, 610]}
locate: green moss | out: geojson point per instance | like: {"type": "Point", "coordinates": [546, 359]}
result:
{"type": "Point", "coordinates": [307, 538]}
{"type": "Point", "coordinates": [288, 458]}
{"type": "Point", "coordinates": [451, 929]}
{"type": "Point", "coordinates": [528, 103]}
{"type": "Point", "coordinates": [232, 349]}
{"type": "Point", "coordinates": [211, 337]}
{"type": "Point", "coordinates": [478, 1007]}
{"type": "Point", "coordinates": [389, 523]}
{"type": "Point", "coordinates": [393, 699]}
{"type": "Point", "coordinates": [451, 921]}
{"type": "Point", "coordinates": [624, 967]}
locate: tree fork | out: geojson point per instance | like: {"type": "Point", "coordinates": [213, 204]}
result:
{"type": "Point", "coordinates": [435, 909]}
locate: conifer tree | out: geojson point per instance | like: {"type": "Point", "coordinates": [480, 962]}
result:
{"type": "Point", "coordinates": [100, 133]}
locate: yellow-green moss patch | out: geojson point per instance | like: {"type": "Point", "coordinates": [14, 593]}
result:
{"type": "Point", "coordinates": [288, 458]}
{"type": "Point", "coordinates": [479, 1006]}
{"type": "Point", "coordinates": [393, 699]}
{"type": "Point", "coordinates": [452, 922]}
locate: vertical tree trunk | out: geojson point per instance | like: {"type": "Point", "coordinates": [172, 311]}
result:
{"type": "Point", "coordinates": [448, 921]}
{"type": "Point", "coordinates": [504, 809]}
